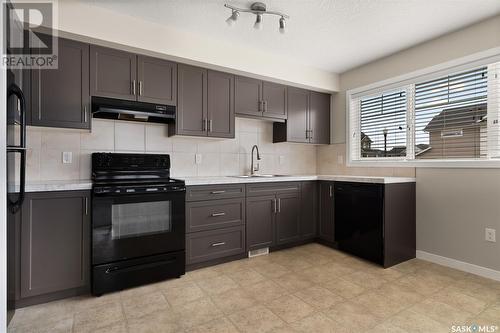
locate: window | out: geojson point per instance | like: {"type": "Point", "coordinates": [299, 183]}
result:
{"type": "Point", "coordinates": [436, 118]}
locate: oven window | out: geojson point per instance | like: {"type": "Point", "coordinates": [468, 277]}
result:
{"type": "Point", "coordinates": [137, 219]}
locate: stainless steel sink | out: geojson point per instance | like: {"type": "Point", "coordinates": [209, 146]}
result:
{"type": "Point", "coordinates": [258, 176]}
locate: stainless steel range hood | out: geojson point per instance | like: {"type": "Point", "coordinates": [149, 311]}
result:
{"type": "Point", "coordinates": [109, 108]}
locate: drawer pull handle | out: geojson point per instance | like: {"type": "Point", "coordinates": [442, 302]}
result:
{"type": "Point", "coordinates": [218, 192]}
{"type": "Point", "coordinates": [218, 244]}
{"type": "Point", "coordinates": [218, 214]}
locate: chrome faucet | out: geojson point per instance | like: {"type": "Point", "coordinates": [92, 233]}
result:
{"type": "Point", "coordinates": [254, 169]}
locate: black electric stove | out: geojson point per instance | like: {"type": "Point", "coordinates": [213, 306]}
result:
{"type": "Point", "coordinates": [138, 221]}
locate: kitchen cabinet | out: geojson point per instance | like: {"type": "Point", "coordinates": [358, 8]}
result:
{"type": "Point", "coordinates": [113, 73]}
{"type": "Point", "coordinates": [123, 75]}
{"type": "Point", "coordinates": [308, 118]}
{"type": "Point", "coordinates": [157, 80]}
{"type": "Point", "coordinates": [215, 224]}
{"type": "Point", "coordinates": [191, 116]}
{"type": "Point", "coordinates": [60, 97]}
{"type": "Point", "coordinates": [376, 221]}
{"type": "Point", "coordinates": [260, 99]}
{"type": "Point", "coordinates": [54, 244]}
{"type": "Point", "coordinates": [326, 211]}
{"type": "Point", "coordinates": [205, 103]}
{"type": "Point", "coordinates": [261, 218]}
{"type": "Point", "coordinates": [220, 108]}
{"type": "Point", "coordinates": [273, 214]}
{"type": "Point", "coordinates": [308, 210]}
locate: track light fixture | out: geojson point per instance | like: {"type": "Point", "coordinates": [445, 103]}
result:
{"type": "Point", "coordinates": [258, 9]}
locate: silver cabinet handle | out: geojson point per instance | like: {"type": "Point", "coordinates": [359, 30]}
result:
{"type": "Point", "coordinates": [133, 87]}
{"type": "Point", "coordinates": [331, 191]}
{"type": "Point", "coordinates": [140, 88]}
{"type": "Point", "coordinates": [218, 214]}
{"type": "Point", "coordinates": [265, 106]}
{"type": "Point", "coordinates": [85, 114]}
{"type": "Point", "coordinates": [210, 123]}
{"type": "Point", "coordinates": [218, 244]}
{"type": "Point", "coordinates": [261, 106]}
{"type": "Point", "coordinates": [218, 192]}
{"type": "Point", "coordinates": [86, 206]}
{"type": "Point", "coordinates": [279, 205]}
{"type": "Point", "coordinates": [204, 125]}
{"type": "Point", "coordinates": [275, 206]}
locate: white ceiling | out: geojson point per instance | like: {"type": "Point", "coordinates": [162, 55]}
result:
{"type": "Point", "coordinates": [333, 35]}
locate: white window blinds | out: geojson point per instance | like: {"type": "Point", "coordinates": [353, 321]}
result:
{"type": "Point", "coordinates": [449, 117]}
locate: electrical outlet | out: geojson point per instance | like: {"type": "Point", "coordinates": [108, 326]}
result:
{"type": "Point", "coordinates": [67, 157]}
{"type": "Point", "coordinates": [197, 158]}
{"type": "Point", "coordinates": [490, 235]}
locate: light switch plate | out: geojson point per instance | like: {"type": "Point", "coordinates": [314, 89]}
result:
{"type": "Point", "coordinates": [197, 158]}
{"type": "Point", "coordinates": [490, 235]}
{"type": "Point", "coordinates": [67, 157]}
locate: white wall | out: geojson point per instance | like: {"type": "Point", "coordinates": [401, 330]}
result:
{"type": "Point", "coordinates": [453, 205]}
{"type": "Point", "coordinates": [219, 156]}
{"type": "Point", "coordinates": [99, 23]}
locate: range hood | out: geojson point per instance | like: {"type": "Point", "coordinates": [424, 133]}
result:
{"type": "Point", "coordinates": [110, 108]}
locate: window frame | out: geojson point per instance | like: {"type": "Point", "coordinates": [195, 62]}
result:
{"type": "Point", "coordinates": [407, 80]}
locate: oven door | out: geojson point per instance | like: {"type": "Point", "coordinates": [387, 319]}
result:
{"type": "Point", "coordinates": [133, 226]}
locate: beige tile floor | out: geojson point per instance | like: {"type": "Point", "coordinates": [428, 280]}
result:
{"type": "Point", "coordinates": [310, 288]}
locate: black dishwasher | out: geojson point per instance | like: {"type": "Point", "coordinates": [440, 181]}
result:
{"type": "Point", "coordinates": [359, 219]}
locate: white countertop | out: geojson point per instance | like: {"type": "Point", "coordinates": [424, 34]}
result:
{"type": "Point", "coordinates": [191, 181]}
{"type": "Point", "coordinates": [74, 185]}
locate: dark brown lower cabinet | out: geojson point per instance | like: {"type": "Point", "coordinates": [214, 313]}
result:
{"type": "Point", "coordinates": [308, 210]}
{"type": "Point", "coordinates": [288, 218]}
{"type": "Point", "coordinates": [53, 238]}
{"type": "Point", "coordinates": [326, 211]}
{"type": "Point", "coordinates": [261, 218]}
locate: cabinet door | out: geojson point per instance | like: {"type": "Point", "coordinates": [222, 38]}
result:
{"type": "Point", "coordinates": [308, 210]}
{"type": "Point", "coordinates": [248, 96]}
{"type": "Point", "coordinates": [319, 118]}
{"type": "Point", "coordinates": [157, 80]}
{"type": "Point", "coordinates": [220, 105]}
{"type": "Point", "coordinates": [288, 218]}
{"type": "Point", "coordinates": [297, 121]}
{"type": "Point", "coordinates": [274, 97]}
{"type": "Point", "coordinates": [60, 97]}
{"type": "Point", "coordinates": [260, 221]}
{"type": "Point", "coordinates": [326, 210]}
{"type": "Point", "coordinates": [113, 73]}
{"type": "Point", "coordinates": [191, 116]}
{"type": "Point", "coordinates": [55, 239]}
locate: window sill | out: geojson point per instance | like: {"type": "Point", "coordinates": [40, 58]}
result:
{"type": "Point", "coordinates": [425, 163]}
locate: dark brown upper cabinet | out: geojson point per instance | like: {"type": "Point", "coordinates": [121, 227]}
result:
{"type": "Point", "coordinates": [205, 105]}
{"type": "Point", "coordinates": [308, 118]}
{"type": "Point", "coordinates": [113, 73]}
{"type": "Point", "coordinates": [54, 242]}
{"type": "Point", "coordinates": [157, 80]}
{"type": "Point", "coordinates": [60, 97]}
{"type": "Point", "coordinates": [259, 99]}
{"type": "Point", "coordinates": [319, 118]}
{"type": "Point", "coordinates": [124, 75]}
{"type": "Point", "coordinates": [220, 104]}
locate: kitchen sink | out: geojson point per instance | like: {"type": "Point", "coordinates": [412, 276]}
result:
{"type": "Point", "coordinates": [259, 176]}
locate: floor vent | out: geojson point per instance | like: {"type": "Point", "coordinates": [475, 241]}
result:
{"type": "Point", "coordinates": [259, 252]}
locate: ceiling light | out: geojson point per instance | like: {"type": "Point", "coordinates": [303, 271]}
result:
{"type": "Point", "coordinates": [258, 22]}
{"type": "Point", "coordinates": [282, 25]}
{"type": "Point", "coordinates": [231, 20]}
{"type": "Point", "coordinates": [258, 9]}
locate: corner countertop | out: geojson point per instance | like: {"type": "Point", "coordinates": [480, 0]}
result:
{"type": "Point", "coordinates": [76, 185]}
{"type": "Point", "coordinates": [192, 181]}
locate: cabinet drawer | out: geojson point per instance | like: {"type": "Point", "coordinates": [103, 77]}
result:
{"type": "Point", "coordinates": [214, 214]}
{"type": "Point", "coordinates": [207, 245]}
{"type": "Point", "coordinates": [274, 188]}
{"type": "Point", "coordinates": [209, 192]}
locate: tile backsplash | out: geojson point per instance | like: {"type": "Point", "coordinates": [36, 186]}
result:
{"type": "Point", "coordinates": [219, 157]}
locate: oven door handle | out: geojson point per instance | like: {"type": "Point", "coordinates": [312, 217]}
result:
{"type": "Point", "coordinates": [116, 269]}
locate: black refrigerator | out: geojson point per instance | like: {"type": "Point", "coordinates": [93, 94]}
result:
{"type": "Point", "coordinates": [16, 152]}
